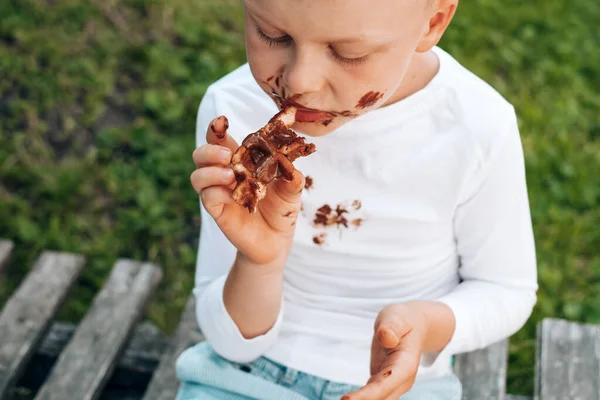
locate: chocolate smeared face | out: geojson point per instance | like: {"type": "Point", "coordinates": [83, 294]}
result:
{"type": "Point", "coordinates": [335, 63]}
{"type": "Point", "coordinates": [267, 155]}
{"type": "Point", "coordinates": [369, 99]}
{"type": "Point", "coordinates": [304, 114]}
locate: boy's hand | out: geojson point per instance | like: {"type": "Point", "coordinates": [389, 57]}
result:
{"type": "Point", "coordinates": [263, 237]}
{"type": "Point", "coordinates": [400, 335]}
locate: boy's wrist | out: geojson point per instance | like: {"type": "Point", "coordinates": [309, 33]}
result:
{"type": "Point", "coordinates": [274, 267]}
{"type": "Point", "coordinates": [437, 322]}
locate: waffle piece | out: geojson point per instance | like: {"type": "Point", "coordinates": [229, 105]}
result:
{"type": "Point", "coordinates": [266, 155]}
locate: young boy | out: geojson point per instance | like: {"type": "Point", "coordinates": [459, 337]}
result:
{"type": "Point", "coordinates": [404, 239]}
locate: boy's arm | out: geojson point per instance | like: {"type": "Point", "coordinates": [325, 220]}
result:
{"type": "Point", "coordinates": [238, 305]}
{"type": "Point", "coordinates": [497, 252]}
{"type": "Point", "coordinates": [226, 288]}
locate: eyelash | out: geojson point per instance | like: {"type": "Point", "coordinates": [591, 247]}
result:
{"type": "Point", "coordinates": [284, 40]}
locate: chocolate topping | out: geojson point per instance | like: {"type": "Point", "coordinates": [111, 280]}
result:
{"type": "Point", "coordinates": [266, 155]}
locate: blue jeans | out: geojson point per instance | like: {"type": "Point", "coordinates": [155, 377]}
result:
{"type": "Point", "coordinates": [204, 375]}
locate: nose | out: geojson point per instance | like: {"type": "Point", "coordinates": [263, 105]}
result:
{"type": "Point", "coordinates": [305, 73]}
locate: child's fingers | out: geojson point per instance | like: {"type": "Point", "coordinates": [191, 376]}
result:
{"type": "Point", "coordinates": [387, 385]}
{"type": "Point", "coordinates": [390, 328]}
{"type": "Point", "coordinates": [211, 176]}
{"type": "Point", "coordinates": [217, 133]}
{"type": "Point", "coordinates": [290, 191]}
{"type": "Point", "coordinates": [396, 377]}
{"type": "Point", "coordinates": [211, 154]}
{"type": "Point", "coordinates": [214, 198]}
{"type": "Point", "coordinates": [387, 337]}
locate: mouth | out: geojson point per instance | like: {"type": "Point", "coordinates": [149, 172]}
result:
{"type": "Point", "coordinates": [308, 115]}
{"type": "Point", "coordinates": [303, 114]}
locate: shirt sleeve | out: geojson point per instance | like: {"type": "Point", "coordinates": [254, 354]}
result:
{"type": "Point", "coordinates": [216, 256]}
{"type": "Point", "coordinates": [495, 243]}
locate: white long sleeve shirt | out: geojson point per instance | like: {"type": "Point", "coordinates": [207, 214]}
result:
{"type": "Point", "coordinates": [443, 216]}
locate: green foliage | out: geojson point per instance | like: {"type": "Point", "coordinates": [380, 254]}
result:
{"type": "Point", "coordinates": [543, 57]}
{"type": "Point", "coordinates": [97, 115]}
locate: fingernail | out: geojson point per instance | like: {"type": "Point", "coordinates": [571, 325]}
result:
{"type": "Point", "coordinates": [225, 154]}
{"type": "Point", "coordinates": [227, 174]}
{"type": "Point", "coordinates": [225, 122]}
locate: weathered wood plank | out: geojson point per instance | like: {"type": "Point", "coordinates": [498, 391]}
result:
{"type": "Point", "coordinates": [90, 357]}
{"type": "Point", "coordinates": [164, 383]}
{"type": "Point", "coordinates": [28, 312]}
{"type": "Point", "coordinates": [134, 369]}
{"type": "Point", "coordinates": [142, 352]}
{"type": "Point", "coordinates": [568, 361]}
{"type": "Point", "coordinates": [483, 372]}
{"type": "Point", "coordinates": [511, 397]}
{"type": "Point", "coordinates": [5, 250]}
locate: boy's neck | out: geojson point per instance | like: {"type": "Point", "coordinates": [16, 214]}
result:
{"type": "Point", "coordinates": [422, 69]}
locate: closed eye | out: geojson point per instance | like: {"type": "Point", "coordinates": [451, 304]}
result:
{"type": "Point", "coordinates": [287, 39]}
{"type": "Point", "coordinates": [273, 42]}
{"type": "Point", "coordinates": [347, 61]}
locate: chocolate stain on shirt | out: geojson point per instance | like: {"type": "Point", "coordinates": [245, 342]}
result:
{"type": "Point", "coordinates": [357, 222]}
{"type": "Point", "coordinates": [308, 183]}
{"type": "Point", "coordinates": [319, 239]}
{"type": "Point", "coordinates": [326, 217]}
{"type": "Point", "coordinates": [340, 209]}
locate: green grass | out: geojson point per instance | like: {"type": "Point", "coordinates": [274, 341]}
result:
{"type": "Point", "coordinates": [97, 114]}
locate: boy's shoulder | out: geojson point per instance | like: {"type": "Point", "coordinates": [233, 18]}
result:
{"type": "Point", "coordinates": [470, 90]}
{"type": "Point", "coordinates": [484, 112]}
{"type": "Point", "coordinates": [239, 78]}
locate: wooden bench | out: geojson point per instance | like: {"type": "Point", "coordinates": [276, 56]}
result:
{"type": "Point", "coordinates": [111, 354]}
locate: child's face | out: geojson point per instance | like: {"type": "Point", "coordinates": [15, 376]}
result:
{"type": "Point", "coordinates": [336, 58]}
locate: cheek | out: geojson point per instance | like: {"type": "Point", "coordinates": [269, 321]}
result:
{"type": "Point", "coordinates": [264, 61]}
{"type": "Point", "coordinates": [384, 78]}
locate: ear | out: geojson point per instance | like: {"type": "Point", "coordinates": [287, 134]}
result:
{"type": "Point", "coordinates": [441, 13]}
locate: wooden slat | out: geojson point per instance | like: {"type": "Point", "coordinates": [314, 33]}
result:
{"type": "Point", "coordinates": [511, 397]}
{"type": "Point", "coordinates": [134, 369]}
{"type": "Point", "coordinates": [143, 351]}
{"type": "Point", "coordinates": [483, 372]}
{"type": "Point", "coordinates": [5, 250]}
{"type": "Point", "coordinates": [164, 383]}
{"type": "Point", "coordinates": [28, 312]}
{"type": "Point", "coordinates": [89, 359]}
{"type": "Point", "coordinates": [568, 361]}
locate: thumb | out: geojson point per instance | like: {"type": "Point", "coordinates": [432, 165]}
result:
{"type": "Point", "coordinates": [290, 191]}
{"type": "Point", "coordinates": [390, 328]}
